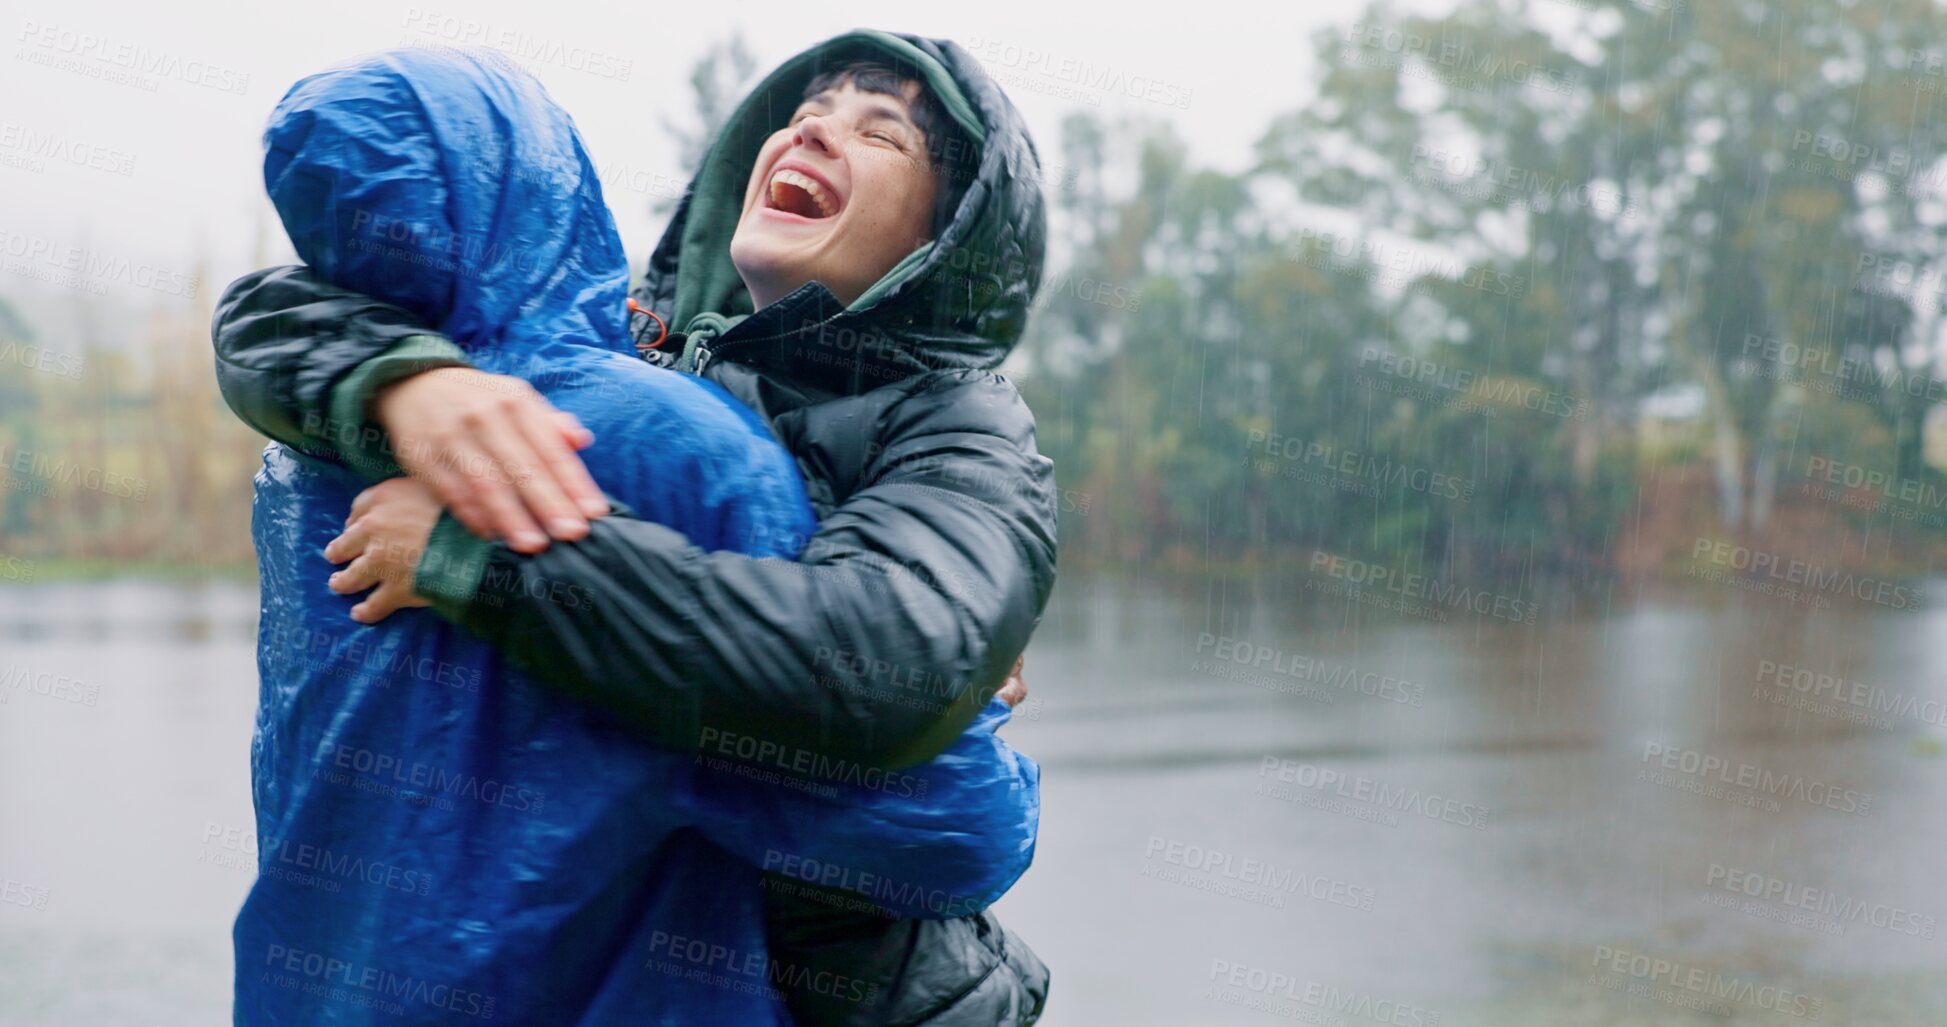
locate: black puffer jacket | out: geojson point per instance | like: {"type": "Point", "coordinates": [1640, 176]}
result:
{"type": "Point", "coordinates": [935, 552]}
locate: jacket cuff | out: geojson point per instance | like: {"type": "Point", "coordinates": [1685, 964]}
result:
{"type": "Point", "coordinates": [449, 571]}
{"type": "Point", "coordinates": [358, 440]}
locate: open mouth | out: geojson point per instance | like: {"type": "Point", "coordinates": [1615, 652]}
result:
{"type": "Point", "coordinates": [795, 192]}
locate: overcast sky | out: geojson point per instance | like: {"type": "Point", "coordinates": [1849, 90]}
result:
{"type": "Point", "coordinates": [167, 101]}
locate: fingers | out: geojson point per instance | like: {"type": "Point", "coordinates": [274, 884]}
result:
{"type": "Point", "coordinates": [563, 481]}
{"type": "Point", "coordinates": [579, 485]}
{"type": "Point", "coordinates": [1015, 688]}
{"type": "Point", "coordinates": [572, 430]}
{"type": "Point", "coordinates": [362, 504]}
{"type": "Point", "coordinates": [504, 465]}
{"type": "Point", "coordinates": [496, 453]}
{"type": "Point", "coordinates": [1013, 691]}
{"type": "Point", "coordinates": [373, 495]}
{"type": "Point", "coordinates": [457, 494]}
{"type": "Point", "coordinates": [388, 598]}
{"type": "Point", "coordinates": [349, 544]}
{"type": "Point", "coordinates": [362, 574]}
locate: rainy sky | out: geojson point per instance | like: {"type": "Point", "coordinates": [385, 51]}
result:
{"type": "Point", "coordinates": [170, 108]}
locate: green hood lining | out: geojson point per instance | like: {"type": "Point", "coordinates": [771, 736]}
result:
{"type": "Point", "coordinates": [708, 282]}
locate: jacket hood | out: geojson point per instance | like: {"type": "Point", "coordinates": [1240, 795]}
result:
{"type": "Point", "coordinates": [959, 301]}
{"type": "Point", "coordinates": [447, 182]}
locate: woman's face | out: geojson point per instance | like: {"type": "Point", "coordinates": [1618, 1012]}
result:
{"type": "Point", "coordinates": [839, 195]}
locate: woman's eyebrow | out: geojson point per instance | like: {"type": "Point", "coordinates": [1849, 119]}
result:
{"type": "Point", "coordinates": [888, 112]}
{"type": "Point", "coordinates": [877, 111]}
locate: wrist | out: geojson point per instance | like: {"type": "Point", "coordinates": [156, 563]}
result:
{"type": "Point", "coordinates": [354, 401]}
{"type": "Point", "coordinates": [389, 398]}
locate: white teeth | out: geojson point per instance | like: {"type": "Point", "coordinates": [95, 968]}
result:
{"type": "Point", "coordinates": [785, 176]}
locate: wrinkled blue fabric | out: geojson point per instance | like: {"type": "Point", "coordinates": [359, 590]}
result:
{"type": "Point", "coordinates": [441, 839]}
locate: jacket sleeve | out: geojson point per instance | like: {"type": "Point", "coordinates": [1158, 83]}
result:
{"type": "Point", "coordinates": [937, 841]}
{"type": "Point", "coordinates": [941, 973]}
{"type": "Point", "coordinates": [299, 359]}
{"type": "Point", "coordinates": [899, 620]}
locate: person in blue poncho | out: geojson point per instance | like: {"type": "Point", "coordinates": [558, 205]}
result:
{"type": "Point", "coordinates": [452, 828]}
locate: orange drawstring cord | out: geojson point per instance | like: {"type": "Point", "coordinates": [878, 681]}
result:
{"type": "Point", "coordinates": [661, 326]}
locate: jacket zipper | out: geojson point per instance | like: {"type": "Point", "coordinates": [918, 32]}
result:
{"type": "Point", "coordinates": [706, 353]}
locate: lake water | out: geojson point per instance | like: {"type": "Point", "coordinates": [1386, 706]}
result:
{"type": "Point", "coordinates": [1693, 807]}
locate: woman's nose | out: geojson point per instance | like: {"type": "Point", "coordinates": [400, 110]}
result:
{"type": "Point", "coordinates": [815, 133]}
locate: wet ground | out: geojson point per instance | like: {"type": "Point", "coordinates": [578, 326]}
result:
{"type": "Point", "coordinates": [1697, 808]}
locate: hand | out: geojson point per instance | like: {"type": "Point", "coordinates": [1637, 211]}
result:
{"type": "Point", "coordinates": [383, 538]}
{"type": "Point", "coordinates": [495, 453]}
{"type": "Point", "coordinates": [1015, 688]}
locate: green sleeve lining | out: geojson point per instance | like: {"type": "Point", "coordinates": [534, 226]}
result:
{"type": "Point", "coordinates": [358, 440]}
{"type": "Point", "coordinates": [449, 571]}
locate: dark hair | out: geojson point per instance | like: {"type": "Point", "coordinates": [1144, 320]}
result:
{"type": "Point", "coordinates": [947, 150]}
